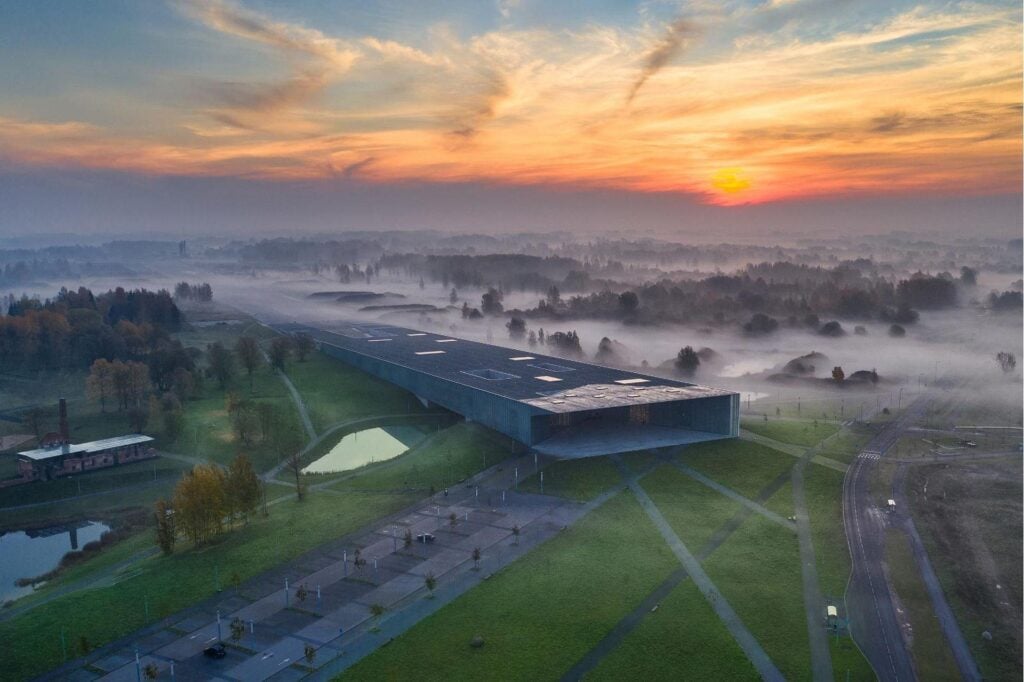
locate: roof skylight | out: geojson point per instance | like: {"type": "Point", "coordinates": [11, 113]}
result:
{"type": "Point", "coordinates": [519, 358]}
{"type": "Point", "coordinates": [430, 352]}
{"type": "Point", "coordinates": [547, 378]}
{"type": "Point", "coordinates": [635, 380]}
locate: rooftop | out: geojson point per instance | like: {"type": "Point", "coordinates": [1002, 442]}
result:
{"type": "Point", "coordinates": [550, 384]}
{"type": "Point", "coordinates": [86, 448]}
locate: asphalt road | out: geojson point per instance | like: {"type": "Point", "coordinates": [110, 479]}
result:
{"type": "Point", "coordinates": [872, 612]}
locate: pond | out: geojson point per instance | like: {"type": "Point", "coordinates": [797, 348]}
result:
{"type": "Point", "coordinates": [366, 447]}
{"type": "Point", "coordinates": [26, 554]}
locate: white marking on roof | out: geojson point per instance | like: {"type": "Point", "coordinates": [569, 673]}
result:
{"type": "Point", "coordinates": [636, 380]}
{"type": "Point", "coordinates": [445, 340]}
{"type": "Point", "coordinates": [547, 378]}
{"type": "Point", "coordinates": [376, 340]}
{"type": "Point", "coordinates": [523, 357]}
{"type": "Point", "coordinates": [417, 334]}
{"type": "Point", "coordinates": [430, 352]}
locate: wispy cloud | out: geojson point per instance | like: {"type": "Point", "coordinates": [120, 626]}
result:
{"type": "Point", "coordinates": [676, 36]}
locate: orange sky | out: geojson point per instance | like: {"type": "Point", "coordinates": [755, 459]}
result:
{"type": "Point", "coordinates": [925, 100]}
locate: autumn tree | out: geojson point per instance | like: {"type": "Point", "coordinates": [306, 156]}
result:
{"type": "Point", "coordinates": [99, 384]}
{"type": "Point", "coordinates": [304, 345]}
{"type": "Point", "coordinates": [243, 487]}
{"type": "Point", "coordinates": [199, 503]}
{"type": "Point", "coordinates": [249, 354]}
{"type": "Point", "coordinates": [838, 374]}
{"type": "Point", "coordinates": [165, 532]}
{"type": "Point", "coordinates": [1007, 361]}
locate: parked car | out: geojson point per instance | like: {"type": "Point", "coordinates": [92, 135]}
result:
{"type": "Point", "coordinates": [215, 651]}
{"type": "Point", "coordinates": [425, 538]}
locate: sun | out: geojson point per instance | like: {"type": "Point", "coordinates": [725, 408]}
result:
{"type": "Point", "coordinates": [730, 180]}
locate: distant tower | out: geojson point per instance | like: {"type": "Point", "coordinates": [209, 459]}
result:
{"type": "Point", "coordinates": [183, 249]}
{"type": "Point", "coordinates": [65, 432]}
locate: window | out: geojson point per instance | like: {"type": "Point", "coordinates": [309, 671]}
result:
{"type": "Point", "coordinates": [520, 358]}
{"type": "Point", "coordinates": [417, 334]}
{"type": "Point", "coordinates": [490, 374]}
{"type": "Point", "coordinates": [430, 352]}
{"type": "Point", "coordinates": [377, 340]}
{"type": "Point", "coordinates": [546, 378]}
{"type": "Point", "coordinates": [552, 367]}
{"type": "Point", "coordinates": [636, 380]}
{"type": "Point", "coordinates": [445, 340]}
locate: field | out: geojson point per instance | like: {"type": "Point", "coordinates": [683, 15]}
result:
{"type": "Point", "coordinates": [540, 615]}
{"type": "Point", "coordinates": [969, 517]}
{"type": "Point", "coordinates": [805, 432]}
{"type": "Point", "coordinates": [576, 479]}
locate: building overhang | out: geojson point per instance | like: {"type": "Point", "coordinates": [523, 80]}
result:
{"type": "Point", "coordinates": [595, 439]}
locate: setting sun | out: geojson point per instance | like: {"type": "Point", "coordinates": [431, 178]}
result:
{"type": "Point", "coordinates": [730, 180]}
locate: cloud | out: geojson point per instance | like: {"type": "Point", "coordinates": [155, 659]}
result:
{"type": "Point", "coordinates": [675, 38]}
{"type": "Point", "coordinates": [316, 60]}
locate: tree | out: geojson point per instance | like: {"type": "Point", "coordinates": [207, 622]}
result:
{"type": "Point", "coordinates": [516, 327]}
{"type": "Point", "coordinates": [99, 385]}
{"type": "Point", "coordinates": [309, 653]}
{"type": "Point", "coordinates": [490, 302]}
{"type": "Point", "coordinates": [453, 297]}
{"type": "Point", "coordinates": [280, 347]}
{"type": "Point", "coordinates": [1007, 361]}
{"type": "Point", "coordinates": [243, 486]}
{"type": "Point", "coordinates": [687, 361]}
{"type": "Point", "coordinates": [150, 671]}
{"type": "Point", "coordinates": [407, 539]}
{"type": "Point", "coordinates": [83, 645]}
{"type": "Point", "coordinates": [968, 276]}
{"type": "Point", "coordinates": [301, 593]}
{"type": "Point", "coordinates": [199, 503]}
{"type": "Point", "coordinates": [294, 465]}
{"type": "Point", "coordinates": [476, 558]}
{"type": "Point", "coordinates": [838, 374]}
{"type": "Point", "coordinates": [897, 331]}
{"type": "Point", "coordinates": [431, 582]}
{"type": "Point", "coordinates": [304, 345]}
{"type": "Point", "coordinates": [377, 610]}
{"type": "Point", "coordinates": [165, 534]}
{"type": "Point", "coordinates": [237, 628]}
{"type": "Point", "coordinates": [248, 352]}
{"type": "Point", "coordinates": [515, 535]}
{"type": "Point", "coordinates": [222, 364]}
{"type": "Point", "coordinates": [760, 324]}
{"type": "Point", "coordinates": [453, 520]}
{"type": "Point", "coordinates": [628, 302]}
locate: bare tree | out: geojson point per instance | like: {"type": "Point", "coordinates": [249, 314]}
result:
{"type": "Point", "coordinates": [1007, 361]}
{"type": "Point", "coordinates": [294, 465]}
{"type": "Point", "coordinates": [248, 352]}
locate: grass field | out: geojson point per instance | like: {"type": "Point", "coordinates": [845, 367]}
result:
{"type": "Point", "coordinates": [693, 510]}
{"type": "Point", "coordinates": [744, 466]}
{"type": "Point", "coordinates": [174, 582]}
{"type": "Point", "coordinates": [928, 647]}
{"type": "Point", "coordinates": [805, 433]}
{"type": "Point", "coordinates": [541, 614]}
{"type": "Point", "coordinates": [334, 392]}
{"type": "Point", "coordinates": [682, 640]}
{"type": "Point", "coordinates": [441, 460]}
{"type": "Point", "coordinates": [575, 479]}
{"type": "Point", "coordinates": [758, 570]}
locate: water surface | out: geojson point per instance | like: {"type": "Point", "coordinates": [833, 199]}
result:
{"type": "Point", "coordinates": [365, 447]}
{"type": "Point", "coordinates": [26, 554]}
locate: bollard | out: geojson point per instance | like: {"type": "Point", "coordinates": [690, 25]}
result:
{"type": "Point", "coordinates": [286, 591]}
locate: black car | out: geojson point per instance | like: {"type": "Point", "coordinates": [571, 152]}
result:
{"type": "Point", "coordinates": [215, 651]}
{"type": "Point", "coordinates": [425, 538]}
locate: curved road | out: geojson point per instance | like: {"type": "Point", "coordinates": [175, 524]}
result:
{"type": "Point", "coordinates": [872, 613]}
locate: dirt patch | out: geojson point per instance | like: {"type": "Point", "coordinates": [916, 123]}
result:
{"type": "Point", "coordinates": [970, 516]}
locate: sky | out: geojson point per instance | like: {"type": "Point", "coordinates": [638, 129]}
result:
{"type": "Point", "coordinates": [703, 117]}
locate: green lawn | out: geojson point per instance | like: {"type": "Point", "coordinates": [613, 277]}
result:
{"type": "Point", "coordinates": [742, 465]}
{"type": "Point", "coordinates": [929, 649]}
{"type": "Point", "coordinates": [694, 510]}
{"type": "Point", "coordinates": [334, 392]}
{"type": "Point", "coordinates": [682, 640]}
{"type": "Point", "coordinates": [793, 432]}
{"type": "Point", "coordinates": [845, 446]}
{"type": "Point", "coordinates": [543, 613]}
{"type": "Point", "coordinates": [758, 570]}
{"type": "Point", "coordinates": [823, 492]}
{"type": "Point", "coordinates": [441, 460]}
{"type": "Point", "coordinates": [575, 479]}
{"type": "Point", "coordinates": [175, 582]}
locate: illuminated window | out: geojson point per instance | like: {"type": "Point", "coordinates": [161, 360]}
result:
{"type": "Point", "coordinates": [417, 334]}
{"type": "Point", "coordinates": [522, 357]}
{"type": "Point", "coordinates": [445, 340]}
{"type": "Point", "coordinates": [430, 352]}
{"type": "Point", "coordinates": [547, 378]}
{"type": "Point", "coordinates": [637, 380]}
{"type": "Point", "coordinates": [377, 340]}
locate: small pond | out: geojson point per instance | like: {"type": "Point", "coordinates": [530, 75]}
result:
{"type": "Point", "coordinates": [26, 554]}
{"type": "Point", "coordinates": [366, 447]}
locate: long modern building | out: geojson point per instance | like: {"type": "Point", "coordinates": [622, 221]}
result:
{"type": "Point", "coordinates": [551, 405]}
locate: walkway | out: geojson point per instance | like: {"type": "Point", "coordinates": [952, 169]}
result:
{"type": "Point", "coordinates": [794, 451]}
{"type": "Point", "coordinates": [762, 663]}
